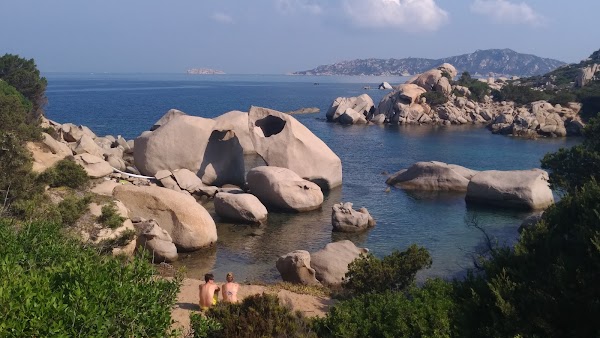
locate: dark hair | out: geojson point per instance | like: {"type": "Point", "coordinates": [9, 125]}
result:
{"type": "Point", "coordinates": [209, 276]}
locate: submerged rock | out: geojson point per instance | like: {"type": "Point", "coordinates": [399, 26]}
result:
{"type": "Point", "coordinates": [331, 263]}
{"type": "Point", "coordinates": [434, 176]}
{"type": "Point", "coordinates": [346, 219]}
{"type": "Point", "coordinates": [283, 189]}
{"type": "Point", "coordinates": [244, 208]}
{"type": "Point", "coordinates": [294, 267]}
{"type": "Point", "coordinates": [523, 189]}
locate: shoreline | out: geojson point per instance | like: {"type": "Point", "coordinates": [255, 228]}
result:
{"type": "Point", "coordinates": [187, 300]}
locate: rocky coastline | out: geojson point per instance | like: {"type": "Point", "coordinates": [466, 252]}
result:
{"type": "Point", "coordinates": [408, 104]}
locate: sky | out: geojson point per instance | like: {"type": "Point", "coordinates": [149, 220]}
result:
{"type": "Point", "coordinates": [281, 36]}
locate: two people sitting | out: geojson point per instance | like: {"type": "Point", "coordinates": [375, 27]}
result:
{"type": "Point", "coordinates": [209, 291]}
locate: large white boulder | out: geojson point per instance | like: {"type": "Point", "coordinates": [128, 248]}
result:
{"type": "Point", "coordinates": [191, 142]}
{"type": "Point", "coordinates": [238, 122]}
{"type": "Point", "coordinates": [331, 263]}
{"type": "Point", "coordinates": [190, 226]}
{"type": "Point", "coordinates": [281, 188]}
{"type": "Point", "coordinates": [244, 208]}
{"type": "Point", "coordinates": [94, 166]}
{"type": "Point", "coordinates": [524, 189]}
{"type": "Point", "coordinates": [346, 219]}
{"type": "Point", "coordinates": [432, 176]}
{"type": "Point", "coordinates": [294, 267]}
{"type": "Point", "coordinates": [172, 113]}
{"type": "Point", "coordinates": [284, 142]}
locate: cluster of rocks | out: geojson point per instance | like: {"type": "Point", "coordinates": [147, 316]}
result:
{"type": "Point", "coordinates": [158, 179]}
{"type": "Point", "coordinates": [406, 104]}
{"type": "Point", "coordinates": [522, 189]}
{"type": "Point", "coordinates": [97, 155]}
{"type": "Point", "coordinates": [327, 266]}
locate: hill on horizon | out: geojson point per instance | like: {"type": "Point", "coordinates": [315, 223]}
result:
{"type": "Point", "coordinates": [481, 62]}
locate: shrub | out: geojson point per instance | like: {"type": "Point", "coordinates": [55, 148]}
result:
{"type": "Point", "coordinates": [563, 97]}
{"type": "Point", "coordinates": [258, 316]}
{"type": "Point", "coordinates": [392, 273]}
{"type": "Point", "coordinates": [435, 98]}
{"type": "Point", "coordinates": [106, 246]}
{"type": "Point", "coordinates": [519, 94]}
{"type": "Point", "coordinates": [17, 181]}
{"type": "Point", "coordinates": [65, 173]}
{"type": "Point", "coordinates": [204, 327]}
{"type": "Point", "coordinates": [25, 77]}
{"type": "Point", "coordinates": [52, 286]}
{"type": "Point", "coordinates": [421, 312]}
{"type": "Point", "coordinates": [110, 216]}
{"type": "Point", "coordinates": [71, 208]}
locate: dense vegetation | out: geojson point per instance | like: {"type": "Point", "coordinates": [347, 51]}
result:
{"type": "Point", "coordinates": [255, 316]}
{"type": "Point", "coordinates": [556, 87]}
{"type": "Point", "coordinates": [477, 88]}
{"type": "Point", "coordinates": [52, 285]}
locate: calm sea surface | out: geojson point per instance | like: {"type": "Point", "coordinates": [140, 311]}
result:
{"type": "Point", "coordinates": [128, 104]}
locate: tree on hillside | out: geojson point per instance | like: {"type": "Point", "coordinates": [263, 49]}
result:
{"type": "Point", "coordinates": [571, 168]}
{"type": "Point", "coordinates": [25, 77]}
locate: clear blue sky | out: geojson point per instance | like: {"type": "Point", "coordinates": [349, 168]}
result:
{"type": "Point", "coordinates": [279, 36]}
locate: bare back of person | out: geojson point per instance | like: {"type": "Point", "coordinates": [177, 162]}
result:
{"type": "Point", "coordinates": [230, 289]}
{"type": "Point", "coordinates": [208, 292]}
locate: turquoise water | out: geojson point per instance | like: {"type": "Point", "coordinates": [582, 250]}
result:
{"type": "Point", "coordinates": [129, 104]}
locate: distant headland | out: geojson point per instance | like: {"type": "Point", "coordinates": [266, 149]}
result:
{"type": "Point", "coordinates": [204, 71]}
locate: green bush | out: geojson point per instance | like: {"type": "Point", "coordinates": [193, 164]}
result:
{"type": "Point", "coordinates": [477, 88]}
{"type": "Point", "coordinates": [420, 312]}
{"type": "Point", "coordinates": [65, 173]}
{"type": "Point", "coordinates": [392, 273]}
{"type": "Point", "coordinates": [72, 208]}
{"type": "Point", "coordinates": [106, 246]}
{"type": "Point", "coordinates": [519, 94]}
{"type": "Point", "coordinates": [52, 286]}
{"type": "Point", "coordinates": [204, 327]}
{"type": "Point", "coordinates": [110, 216]}
{"type": "Point", "coordinates": [435, 98]}
{"type": "Point", "coordinates": [258, 316]}
{"type": "Point", "coordinates": [563, 97]}
{"type": "Point", "coordinates": [571, 168]}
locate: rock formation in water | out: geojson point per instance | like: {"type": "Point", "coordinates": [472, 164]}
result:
{"type": "Point", "coordinates": [431, 98]}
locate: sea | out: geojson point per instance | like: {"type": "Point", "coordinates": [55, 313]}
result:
{"type": "Point", "coordinates": [128, 104]}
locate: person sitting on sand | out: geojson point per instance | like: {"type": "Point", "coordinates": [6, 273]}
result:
{"type": "Point", "coordinates": [209, 292]}
{"type": "Point", "coordinates": [230, 289]}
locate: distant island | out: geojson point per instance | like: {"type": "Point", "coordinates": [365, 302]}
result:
{"type": "Point", "coordinates": [501, 62]}
{"type": "Point", "coordinates": [204, 71]}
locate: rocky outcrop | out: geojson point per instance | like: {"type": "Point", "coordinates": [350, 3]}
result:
{"type": "Point", "coordinates": [284, 142]}
{"type": "Point", "coordinates": [432, 176]}
{"type": "Point", "coordinates": [238, 122]}
{"type": "Point", "coordinates": [156, 241]}
{"type": "Point", "coordinates": [281, 188]}
{"type": "Point", "coordinates": [331, 263]}
{"type": "Point", "coordinates": [523, 189]}
{"type": "Point", "coordinates": [362, 105]}
{"type": "Point", "coordinates": [587, 75]}
{"type": "Point", "coordinates": [94, 166]}
{"type": "Point", "coordinates": [346, 219]}
{"type": "Point", "coordinates": [193, 143]}
{"type": "Point", "coordinates": [190, 226]}
{"type": "Point", "coordinates": [436, 79]}
{"type": "Point", "coordinates": [294, 267]}
{"type": "Point", "coordinates": [245, 208]}
{"type": "Point", "coordinates": [169, 115]}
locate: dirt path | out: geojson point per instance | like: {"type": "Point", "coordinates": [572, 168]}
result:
{"type": "Point", "coordinates": [187, 301]}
